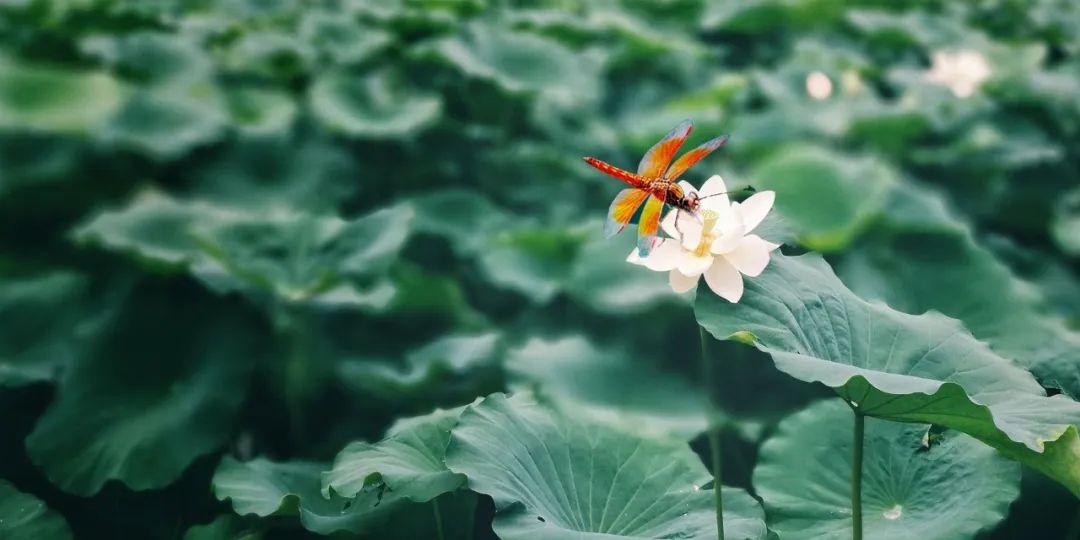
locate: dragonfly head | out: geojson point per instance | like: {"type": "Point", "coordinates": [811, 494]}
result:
{"type": "Point", "coordinates": [691, 201]}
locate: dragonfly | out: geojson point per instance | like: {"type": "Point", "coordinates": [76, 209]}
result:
{"type": "Point", "coordinates": [655, 185]}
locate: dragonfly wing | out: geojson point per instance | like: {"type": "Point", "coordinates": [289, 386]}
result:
{"type": "Point", "coordinates": [649, 224]}
{"type": "Point", "coordinates": [656, 160]}
{"type": "Point", "coordinates": [609, 169]}
{"type": "Point", "coordinates": [622, 209]}
{"type": "Point", "coordinates": [688, 159]}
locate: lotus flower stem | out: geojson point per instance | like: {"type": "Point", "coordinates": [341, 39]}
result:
{"type": "Point", "coordinates": [438, 518]}
{"type": "Point", "coordinates": [709, 379]}
{"type": "Point", "coordinates": [856, 475]}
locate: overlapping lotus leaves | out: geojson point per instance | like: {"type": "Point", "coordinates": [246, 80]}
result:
{"type": "Point", "coordinates": [374, 105]}
{"type": "Point", "coordinates": [295, 256]}
{"type": "Point", "coordinates": [408, 462]}
{"type": "Point", "coordinates": [846, 193]}
{"type": "Point", "coordinates": [575, 375]}
{"type": "Point", "coordinates": [911, 368]}
{"type": "Point", "coordinates": [25, 517]}
{"type": "Point", "coordinates": [554, 477]}
{"type": "Point", "coordinates": [291, 489]}
{"type": "Point", "coordinates": [916, 263]}
{"type": "Point", "coordinates": [146, 403]}
{"type": "Point", "coordinates": [916, 483]}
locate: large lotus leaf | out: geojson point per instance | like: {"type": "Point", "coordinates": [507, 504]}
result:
{"type": "Point", "coordinates": [154, 397]}
{"type": "Point", "coordinates": [267, 488]}
{"type": "Point", "coordinates": [166, 124]}
{"type": "Point", "coordinates": [372, 106]}
{"type": "Point", "coordinates": [409, 462]}
{"type": "Point", "coordinates": [916, 484]}
{"type": "Point", "coordinates": [918, 268]}
{"type": "Point", "coordinates": [517, 62]}
{"type": "Point", "coordinates": [42, 98]}
{"type": "Point", "coordinates": [911, 368]}
{"type": "Point", "coordinates": [448, 370]}
{"type": "Point", "coordinates": [577, 376]}
{"type": "Point", "coordinates": [24, 517]}
{"type": "Point", "coordinates": [825, 197]}
{"type": "Point", "coordinates": [45, 326]}
{"type": "Point", "coordinates": [464, 218]}
{"type": "Point", "coordinates": [554, 477]}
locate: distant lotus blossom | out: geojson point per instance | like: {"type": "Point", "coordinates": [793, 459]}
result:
{"type": "Point", "coordinates": [963, 71]}
{"type": "Point", "coordinates": [715, 244]}
{"type": "Point", "coordinates": [818, 85]}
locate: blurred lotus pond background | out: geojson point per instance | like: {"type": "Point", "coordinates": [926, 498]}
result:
{"type": "Point", "coordinates": [247, 247]}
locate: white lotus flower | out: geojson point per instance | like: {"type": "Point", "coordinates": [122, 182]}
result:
{"type": "Point", "coordinates": [715, 244]}
{"type": "Point", "coordinates": [963, 71]}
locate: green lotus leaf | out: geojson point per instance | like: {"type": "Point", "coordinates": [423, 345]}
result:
{"type": "Point", "coordinates": [372, 106]}
{"type": "Point", "coordinates": [910, 368]}
{"type": "Point", "coordinates": [517, 62]}
{"type": "Point", "coordinates": [531, 261]}
{"type": "Point", "coordinates": [408, 462]}
{"type": "Point", "coordinates": [1066, 224]}
{"type": "Point", "coordinates": [260, 111]}
{"type": "Point", "coordinates": [42, 98]}
{"type": "Point", "coordinates": [300, 257]}
{"type": "Point", "coordinates": [342, 40]}
{"type": "Point", "coordinates": [294, 256]}
{"type": "Point", "coordinates": [166, 124]}
{"type": "Point", "coordinates": [25, 517]}
{"type": "Point", "coordinates": [576, 376]}
{"type": "Point", "coordinates": [154, 228]}
{"type": "Point", "coordinates": [45, 326]}
{"type": "Point", "coordinates": [269, 53]}
{"type": "Point", "coordinates": [555, 477]}
{"type": "Point", "coordinates": [151, 57]}
{"type": "Point", "coordinates": [448, 370]}
{"type": "Point", "coordinates": [291, 489]}
{"type": "Point", "coordinates": [602, 280]}
{"type": "Point", "coordinates": [826, 198]}
{"type": "Point", "coordinates": [916, 484]}
{"type": "Point", "coordinates": [154, 397]}
{"type": "Point", "coordinates": [921, 266]}
{"type": "Point", "coordinates": [312, 175]}
{"type": "Point", "coordinates": [225, 527]}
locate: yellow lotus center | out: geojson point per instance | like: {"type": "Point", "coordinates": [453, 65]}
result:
{"type": "Point", "coordinates": [707, 236]}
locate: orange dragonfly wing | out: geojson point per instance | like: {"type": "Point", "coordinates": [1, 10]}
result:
{"type": "Point", "coordinates": [622, 209]}
{"type": "Point", "coordinates": [609, 169]}
{"type": "Point", "coordinates": [656, 160]}
{"type": "Point", "coordinates": [649, 224]}
{"type": "Point", "coordinates": [688, 159]}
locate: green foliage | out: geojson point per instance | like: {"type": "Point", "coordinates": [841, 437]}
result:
{"type": "Point", "coordinates": [25, 517]}
{"type": "Point", "coordinates": [918, 483]}
{"type": "Point", "coordinates": [552, 478]}
{"type": "Point", "coordinates": [239, 238]}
